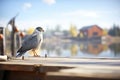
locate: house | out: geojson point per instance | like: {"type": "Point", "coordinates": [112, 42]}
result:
{"type": "Point", "coordinates": [90, 32]}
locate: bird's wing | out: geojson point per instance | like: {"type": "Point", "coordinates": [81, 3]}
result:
{"type": "Point", "coordinates": [29, 43]}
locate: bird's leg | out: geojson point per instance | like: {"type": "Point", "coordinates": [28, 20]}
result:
{"type": "Point", "coordinates": [35, 54]}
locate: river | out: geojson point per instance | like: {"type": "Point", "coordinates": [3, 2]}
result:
{"type": "Point", "coordinates": [80, 49]}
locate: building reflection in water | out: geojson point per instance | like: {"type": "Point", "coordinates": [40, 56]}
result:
{"type": "Point", "coordinates": [84, 48]}
{"type": "Point", "coordinates": [93, 48]}
{"type": "Point", "coordinates": [73, 49]}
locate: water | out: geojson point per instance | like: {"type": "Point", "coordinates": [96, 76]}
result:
{"type": "Point", "coordinates": [81, 49]}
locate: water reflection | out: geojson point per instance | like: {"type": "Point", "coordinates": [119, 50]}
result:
{"type": "Point", "coordinates": [81, 49]}
{"type": "Point", "coordinates": [92, 48]}
{"type": "Point", "coordinates": [115, 48]}
{"type": "Point", "coordinates": [74, 49]}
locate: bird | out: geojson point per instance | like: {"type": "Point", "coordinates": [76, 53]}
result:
{"type": "Point", "coordinates": [32, 42]}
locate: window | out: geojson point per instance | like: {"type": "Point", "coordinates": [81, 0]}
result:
{"type": "Point", "coordinates": [95, 33]}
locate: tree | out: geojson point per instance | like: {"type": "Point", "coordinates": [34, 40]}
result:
{"type": "Point", "coordinates": [30, 30]}
{"type": "Point", "coordinates": [105, 32]}
{"type": "Point", "coordinates": [114, 31]}
{"type": "Point", "coordinates": [73, 31]}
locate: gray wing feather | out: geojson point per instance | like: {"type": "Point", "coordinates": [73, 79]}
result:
{"type": "Point", "coordinates": [31, 42]}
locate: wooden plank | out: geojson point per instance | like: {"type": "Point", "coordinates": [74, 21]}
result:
{"type": "Point", "coordinates": [16, 67]}
{"type": "Point", "coordinates": [92, 68]}
{"type": "Point", "coordinates": [35, 67]}
{"type": "Point", "coordinates": [24, 75]}
{"type": "Point", "coordinates": [1, 74]}
{"type": "Point", "coordinates": [96, 63]}
{"type": "Point", "coordinates": [66, 77]}
{"type": "Point", "coordinates": [90, 73]}
{"type": "Point", "coordinates": [3, 57]}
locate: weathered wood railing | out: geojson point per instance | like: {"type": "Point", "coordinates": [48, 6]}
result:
{"type": "Point", "coordinates": [36, 68]}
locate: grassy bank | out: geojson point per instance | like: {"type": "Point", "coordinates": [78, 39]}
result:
{"type": "Point", "coordinates": [115, 39]}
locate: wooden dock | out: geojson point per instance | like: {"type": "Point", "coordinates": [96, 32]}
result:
{"type": "Point", "coordinates": [39, 68]}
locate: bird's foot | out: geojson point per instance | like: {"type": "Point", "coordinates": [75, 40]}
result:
{"type": "Point", "coordinates": [36, 55]}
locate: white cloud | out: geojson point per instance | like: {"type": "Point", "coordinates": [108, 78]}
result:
{"type": "Point", "coordinates": [49, 2]}
{"type": "Point", "coordinates": [82, 13]}
{"type": "Point", "coordinates": [26, 6]}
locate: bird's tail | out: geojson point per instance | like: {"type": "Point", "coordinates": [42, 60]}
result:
{"type": "Point", "coordinates": [20, 54]}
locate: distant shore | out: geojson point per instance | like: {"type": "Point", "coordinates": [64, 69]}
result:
{"type": "Point", "coordinates": [108, 39]}
{"type": "Point", "coordinates": [113, 39]}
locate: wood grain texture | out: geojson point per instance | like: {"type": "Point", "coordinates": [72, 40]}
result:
{"type": "Point", "coordinates": [103, 68]}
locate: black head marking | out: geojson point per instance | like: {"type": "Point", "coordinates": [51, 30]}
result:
{"type": "Point", "coordinates": [40, 29]}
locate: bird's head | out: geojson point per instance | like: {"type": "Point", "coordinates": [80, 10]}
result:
{"type": "Point", "coordinates": [40, 29]}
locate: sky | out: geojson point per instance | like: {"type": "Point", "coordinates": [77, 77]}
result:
{"type": "Point", "coordinates": [50, 13]}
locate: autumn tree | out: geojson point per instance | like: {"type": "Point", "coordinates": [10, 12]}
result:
{"type": "Point", "coordinates": [105, 32]}
{"type": "Point", "coordinates": [30, 30]}
{"type": "Point", "coordinates": [73, 30]}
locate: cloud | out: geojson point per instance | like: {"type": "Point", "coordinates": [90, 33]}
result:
{"type": "Point", "coordinates": [26, 6]}
{"type": "Point", "coordinates": [49, 2]}
{"type": "Point", "coordinates": [82, 13]}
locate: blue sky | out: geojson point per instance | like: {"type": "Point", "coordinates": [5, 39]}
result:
{"type": "Point", "coordinates": [50, 13]}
